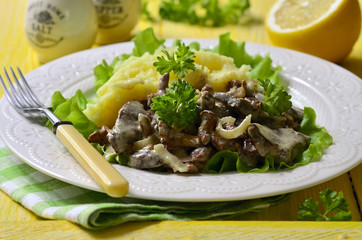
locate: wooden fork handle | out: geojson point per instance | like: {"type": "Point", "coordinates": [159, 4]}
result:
{"type": "Point", "coordinates": [111, 181]}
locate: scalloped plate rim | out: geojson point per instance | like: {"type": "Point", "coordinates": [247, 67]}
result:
{"type": "Point", "coordinates": [196, 193]}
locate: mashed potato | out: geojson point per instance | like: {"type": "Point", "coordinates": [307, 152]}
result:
{"type": "Point", "coordinates": [136, 77]}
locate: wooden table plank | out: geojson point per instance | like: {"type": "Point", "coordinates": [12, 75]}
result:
{"type": "Point", "coordinates": [11, 211]}
{"type": "Point", "coordinates": [184, 230]}
{"type": "Point", "coordinates": [356, 177]}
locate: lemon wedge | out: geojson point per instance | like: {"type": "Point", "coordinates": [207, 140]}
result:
{"type": "Point", "coordinates": [324, 28]}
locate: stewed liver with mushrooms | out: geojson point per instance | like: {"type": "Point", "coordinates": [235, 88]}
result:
{"type": "Point", "coordinates": [151, 143]}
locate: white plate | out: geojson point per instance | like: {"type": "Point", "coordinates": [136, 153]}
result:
{"type": "Point", "coordinates": [333, 92]}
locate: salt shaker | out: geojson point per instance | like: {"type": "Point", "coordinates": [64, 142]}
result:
{"type": "Point", "coordinates": [116, 19]}
{"type": "Point", "coordinates": [55, 28]}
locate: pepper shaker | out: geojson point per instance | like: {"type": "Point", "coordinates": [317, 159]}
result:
{"type": "Point", "coordinates": [55, 28]}
{"type": "Point", "coordinates": [116, 19]}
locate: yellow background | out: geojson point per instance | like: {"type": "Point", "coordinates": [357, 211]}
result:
{"type": "Point", "coordinates": [278, 222]}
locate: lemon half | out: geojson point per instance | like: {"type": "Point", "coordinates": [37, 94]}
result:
{"type": "Point", "coordinates": [324, 28]}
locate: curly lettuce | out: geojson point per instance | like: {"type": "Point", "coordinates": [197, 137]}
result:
{"type": "Point", "coordinates": [71, 109]}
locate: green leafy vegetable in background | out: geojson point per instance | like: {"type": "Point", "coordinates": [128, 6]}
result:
{"type": "Point", "coordinates": [178, 106]}
{"type": "Point", "coordinates": [202, 12]}
{"type": "Point", "coordinates": [179, 62]}
{"type": "Point", "coordinates": [144, 11]}
{"type": "Point", "coordinates": [234, 10]}
{"type": "Point", "coordinates": [72, 110]}
{"type": "Point", "coordinates": [335, 208]}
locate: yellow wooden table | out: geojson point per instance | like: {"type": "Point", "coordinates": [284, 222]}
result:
{"type": "Point", "coordinates": [278, 222]}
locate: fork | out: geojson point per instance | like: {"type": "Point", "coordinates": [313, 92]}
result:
{"type": "Point", "coordinates": [22, 98]}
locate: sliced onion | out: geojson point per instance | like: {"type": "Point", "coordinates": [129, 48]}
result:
{"type": "Point", "coordinates": [168, 158]}
{"type": "Point", "coordinates": [233, 133]}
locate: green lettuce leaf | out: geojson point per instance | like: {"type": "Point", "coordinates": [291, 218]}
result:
{"type": "Point", "coordinates": [262, 69]}
{"type": "Point", "coordinates": [192, 45]}
{"type": "Point", "coordinates": [261, 66]}
{"type": "Point", "coordinates": [320, 139]}
{"type": "Point", "coordinates": [112, 156]}
{"type": "Point", "coordinates": [144, 41]}
{"type": "Point", "coordinates": [235, 50]}
{"type": "Point", "coordinates": [243, 168]}
{"type": "Point", "coordinates": [72, 110]}
{"type": "Point", "coordinates": [103, 72]}
{"type": "Point", "coordinates": [222, 161]}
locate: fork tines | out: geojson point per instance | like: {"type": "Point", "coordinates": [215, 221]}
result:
{"type": "Point", "coordinates": [19, 94]}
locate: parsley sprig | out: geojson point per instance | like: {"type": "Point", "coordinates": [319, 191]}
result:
{"type": "Point", "coordinates": [276, 100]}
{"type": "Point", "coordinates": [178, 106]}
{"type": "Point", "coordinates": [179, 62]}
{"type": "Point", "coordinates": [335, 208]}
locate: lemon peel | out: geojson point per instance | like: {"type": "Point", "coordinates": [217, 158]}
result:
{"type": "Point", "coordinates": [324, 28]}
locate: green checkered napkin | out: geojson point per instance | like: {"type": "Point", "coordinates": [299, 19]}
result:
{"type": "Point", "coordinates": [54, 199]}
